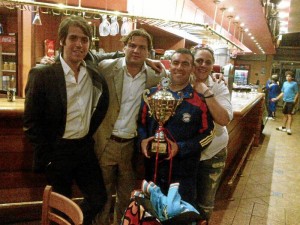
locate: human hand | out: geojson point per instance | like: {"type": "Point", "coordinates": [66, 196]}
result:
{"type": "Point", "coordinates": [145, 146]}
{"type": "Point", "coordinates": [200, 87]}
{"type": "Point", "coordinates": [218, 77]}
{"type": "Point", "coordinates": [47, 60]}
{"type": "Point", "coordinates": [174, 149]}
{"type": "Point", "coordinates": [273, 99]}
{"type": "Point", "coordinates": [155, 65]}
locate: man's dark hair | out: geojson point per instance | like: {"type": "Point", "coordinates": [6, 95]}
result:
{"type": "Point", "coordinates": [141, 33]}
{"type": "Point", "coordinates": [184, 51]}
{"type": "Point", "coordinates": [76, 21]}
{"type": "Point", "coordinates": [289, 72]}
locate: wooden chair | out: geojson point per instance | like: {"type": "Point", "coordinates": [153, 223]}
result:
{"type": "Point", "coordinates": [55, 204]}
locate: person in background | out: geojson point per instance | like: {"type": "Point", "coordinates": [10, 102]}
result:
{"type": "Point", "coordinates": [64, 105]}
{"type": "Point", "coordinates": [273, 90]}
{"type": "Point", "coordinates": [190, 131]}
{"type": "Point", "coordinates": [127, 78]}
{"type": "Point", "coordinates": [290, 94]}
{"type": "Point", "coordinates": [217, 98]}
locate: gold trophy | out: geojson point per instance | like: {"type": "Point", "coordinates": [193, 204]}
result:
{"type": "Point", "coordinates": [162, 105]}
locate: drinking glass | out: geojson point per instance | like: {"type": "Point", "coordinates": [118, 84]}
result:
{"type": "Point", "coordinates": [114, 26]}
{"type": "Point", "coordinates": [104, 27]}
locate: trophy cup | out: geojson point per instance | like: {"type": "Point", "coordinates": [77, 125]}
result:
{"type": "Point", "coordinates": [162, 105]}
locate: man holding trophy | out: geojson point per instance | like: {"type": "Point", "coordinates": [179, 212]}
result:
{"type": "Point", "coordinates": [174, 126]}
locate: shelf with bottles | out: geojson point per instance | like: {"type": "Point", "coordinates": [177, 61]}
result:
{"type": "Point", "coordinates": [8, 61]}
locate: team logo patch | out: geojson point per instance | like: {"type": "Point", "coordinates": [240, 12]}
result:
{"type": "Point", "coordinates": [186, 117]}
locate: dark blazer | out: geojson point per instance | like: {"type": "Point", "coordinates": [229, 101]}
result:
{"type": "Point", "coordinates": [46, 107]}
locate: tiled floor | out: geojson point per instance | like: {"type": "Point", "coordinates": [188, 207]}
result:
{"type": "Point", "coordinates": [268, 192]}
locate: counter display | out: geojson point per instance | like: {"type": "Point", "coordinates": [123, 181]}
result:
{"type": "Point", "coordinates": [244, 131]}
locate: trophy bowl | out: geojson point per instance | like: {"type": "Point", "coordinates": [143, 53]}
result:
{"type": "Point", "coordinates": [162, 105]}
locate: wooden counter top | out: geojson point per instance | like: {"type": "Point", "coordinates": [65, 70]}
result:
{"type": "Point", "coordinates": [9, 109]}
{"type": "Point", "coordinates": [242, 105]}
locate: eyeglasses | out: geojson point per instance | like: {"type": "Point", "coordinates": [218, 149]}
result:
{"type": "Point", "coordinates": [202, 47]}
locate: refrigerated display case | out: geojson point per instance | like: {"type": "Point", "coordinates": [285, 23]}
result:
{"type": "Point", "coordinates": [241, 74]}
{"type": "Point", "coordinates": [8, 62]}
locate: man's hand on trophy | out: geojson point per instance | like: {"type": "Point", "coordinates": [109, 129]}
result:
{"type": "Point", "coordinates": [145, 144]}
{"type": "Point", "coordinates": [174, 148]}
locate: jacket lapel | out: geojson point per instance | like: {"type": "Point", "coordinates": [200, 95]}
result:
{"type": "Point", "coordinates": [118, 80]}
{"type": "Point", "coordinates": [61, 83]}
{"type": "Point", "coordinates": [152, 79]}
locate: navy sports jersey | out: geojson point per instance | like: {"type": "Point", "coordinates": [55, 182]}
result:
{"type": "Point", "coordinates": [192, 128]}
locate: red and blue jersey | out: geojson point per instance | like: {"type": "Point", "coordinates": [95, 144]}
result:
{"type": "Point", "coordinates": [191, 126]}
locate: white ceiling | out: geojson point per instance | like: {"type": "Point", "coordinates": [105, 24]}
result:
{"type": "Point", "coordinates": [251, 12]}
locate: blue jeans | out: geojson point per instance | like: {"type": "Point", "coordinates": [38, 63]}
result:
{"type": "Point", "coordinates": [208, 180]}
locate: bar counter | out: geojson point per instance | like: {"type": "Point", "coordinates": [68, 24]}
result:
{"type": "Point", "coordinates": [244, 131]}
{"type": "Point", "coordinates": [11, 109]}
{"type": "Point", "coordinates": [19, 185]}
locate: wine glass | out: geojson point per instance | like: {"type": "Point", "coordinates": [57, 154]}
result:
{"type": "Point", "coordinates": [114, 26]}
{"type": "Point", "coordinates": [104, 27]}
{"type": "Point", "coordinates": [125, 26]}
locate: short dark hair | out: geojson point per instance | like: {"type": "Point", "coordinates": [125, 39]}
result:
{"type": "Point", "coordinates": [76, 21]}
{"type": "Point", "coordinates": [200, 47]}
{"type": "Point", "coordinates": [184, 51]}
{"type": "Point", "coordinates": [138, 32]}
{"type": "Point", "coordinates": [289, 72]}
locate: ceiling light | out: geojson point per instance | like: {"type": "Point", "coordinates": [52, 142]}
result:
{"type": "Point", "coordinates": [283, 30]}
{"type": "Point", "coordinates": [283, 4]}
{"type": "Point", "coordinates": [230, 9]}
{"type": "Point", "coordinates": [283, 22]}
{"type": "Point", "coordinates": [283, 15]}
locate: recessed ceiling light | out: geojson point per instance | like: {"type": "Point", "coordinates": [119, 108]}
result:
{"type": "Point", "coordinates": [283, 15]}
{"type": "Point", "coordinates": [284, 4]}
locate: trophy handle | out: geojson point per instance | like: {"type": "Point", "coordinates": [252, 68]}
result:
{"type": "Point", "coordinates": [145, 97]}
{"type": "Point", "coordinates": [178, 102]}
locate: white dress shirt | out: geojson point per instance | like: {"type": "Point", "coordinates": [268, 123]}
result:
{"type": "Point", "coordinates": [79, 101]}
{"type": "Point", "coordinates": [133, 88]}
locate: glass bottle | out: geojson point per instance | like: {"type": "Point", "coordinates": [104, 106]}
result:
{"type": "Point", "coordinates": [11, 90]}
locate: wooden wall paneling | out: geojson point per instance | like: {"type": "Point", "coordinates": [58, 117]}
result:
{"type": "Point", "coordinates": [163, 39]}
{"type": "Point", "coordinates": [111, 43]}
{"type": "Point", "coordinates": [26, 40]}
{"type": "Point", "coordinates": [48, 30]}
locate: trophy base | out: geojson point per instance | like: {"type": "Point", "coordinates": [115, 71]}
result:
{"type": "Point", "coordinates": [160, 147]}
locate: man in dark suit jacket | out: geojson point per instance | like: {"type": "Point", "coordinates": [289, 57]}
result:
{"type": "Point", "coordinates": [65, 103]}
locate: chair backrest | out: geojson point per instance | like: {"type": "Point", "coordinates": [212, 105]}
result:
{"type": "Point", "coordinates": [55, 204]}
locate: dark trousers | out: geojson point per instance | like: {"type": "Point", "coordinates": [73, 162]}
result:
{"type": "Point", "coordinates": [75, 160]}
{"type": "Point", "coordinates": [184, 171]}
